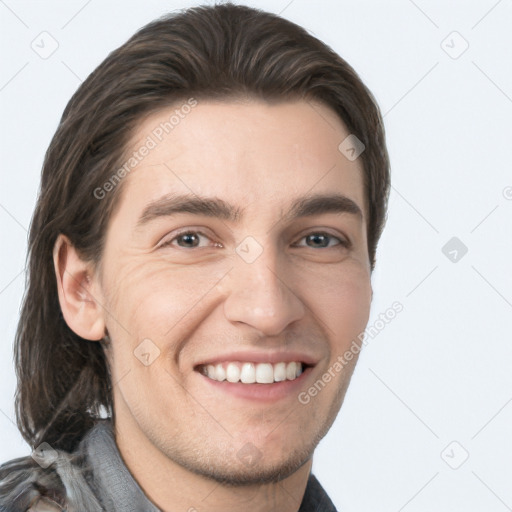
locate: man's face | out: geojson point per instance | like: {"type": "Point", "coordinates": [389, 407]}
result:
{"type": "Point", "coordinates": [184, 289]}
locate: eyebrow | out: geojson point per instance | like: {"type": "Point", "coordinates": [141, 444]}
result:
{"type": "Point", "coordinates": [306, 206]}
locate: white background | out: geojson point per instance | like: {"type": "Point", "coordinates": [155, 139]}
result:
{"type": "Point", "coordinates": [441, 370]}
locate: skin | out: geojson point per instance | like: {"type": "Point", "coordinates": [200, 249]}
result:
{"type": "Point", "coordinates": [177, 435]}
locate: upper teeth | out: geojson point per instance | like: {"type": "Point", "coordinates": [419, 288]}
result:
{"type": "Point", "coordinates": [249, 373]}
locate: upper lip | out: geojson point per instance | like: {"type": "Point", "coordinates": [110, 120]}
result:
{"type": "Point", "coordinates": [260, 357]}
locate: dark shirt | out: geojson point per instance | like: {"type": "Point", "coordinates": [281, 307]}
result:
{"type": "Point", "coordinates": [109, 481]}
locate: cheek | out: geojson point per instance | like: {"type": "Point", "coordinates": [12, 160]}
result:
{"type": "Point", "coordinates": [341, 298]}
{"type": "Point", "coordinates": [161, 302]}
{"type": "Point", "coordinates": [157, 307]}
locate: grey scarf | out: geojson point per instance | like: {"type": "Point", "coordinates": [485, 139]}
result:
{"type": "Point", "coordinates": [93, 479]}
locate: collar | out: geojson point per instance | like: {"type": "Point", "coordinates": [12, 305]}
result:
{"type": "Point", "coordinates": [110, 479]}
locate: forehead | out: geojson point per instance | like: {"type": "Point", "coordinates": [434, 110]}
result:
{"type": "Point", "coordinates": [252, 152]}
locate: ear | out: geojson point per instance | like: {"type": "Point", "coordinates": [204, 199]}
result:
{"type": "Point", "coordinates": [79, 291]}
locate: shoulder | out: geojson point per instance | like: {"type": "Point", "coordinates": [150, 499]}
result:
{"type": "Point", "coordinates": [27, 486]}
{"type": "Point", "coordinates": [315, 498]}
{"type": "Point", "coordinates": [49, 480]}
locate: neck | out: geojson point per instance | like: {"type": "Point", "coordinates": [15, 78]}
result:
{"type": "Point", "coordinates": [172, 487]}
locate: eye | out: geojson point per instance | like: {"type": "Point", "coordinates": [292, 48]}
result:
{"type": "Point", "coordinates": [322, 240]}
{"type": "Point", "coordinates": [191, 239]}
{"type": "Point", "coordinates": [187, 239]}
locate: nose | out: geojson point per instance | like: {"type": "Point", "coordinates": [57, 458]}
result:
{"type": "Point", "coordinates": [261, 295]}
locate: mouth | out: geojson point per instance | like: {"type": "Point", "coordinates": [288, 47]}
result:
{"type": "Point", "coordinates": [263, 382]}
{"type": "Point", "coordinates": [252, 373]}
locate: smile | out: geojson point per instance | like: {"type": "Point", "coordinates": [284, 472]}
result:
{"type": "Point", "coordinates": [257, 382]}
{"type": "Point", "coordinates": [250, 373]}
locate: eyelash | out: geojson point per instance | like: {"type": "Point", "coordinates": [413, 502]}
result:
{"type": "Point", "coordinates": [342, 243]}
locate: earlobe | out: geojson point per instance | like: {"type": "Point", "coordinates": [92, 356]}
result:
{"type": "Point", "coordinates": [79, 292]}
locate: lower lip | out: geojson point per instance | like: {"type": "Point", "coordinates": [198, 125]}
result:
{"type": "Point", "coordinates": [261, 392]}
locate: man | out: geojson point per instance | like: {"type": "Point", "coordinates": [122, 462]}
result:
{"type": "Point", "coordinates": [200, 265]}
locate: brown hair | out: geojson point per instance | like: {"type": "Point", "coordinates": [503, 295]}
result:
{"type": "Point", "coordinates": [219, 52]}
